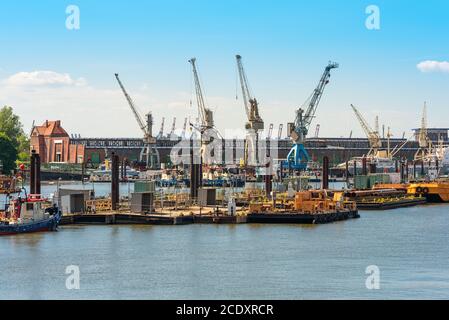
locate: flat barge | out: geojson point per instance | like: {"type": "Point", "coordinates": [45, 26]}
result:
{"type": "Point", "coordinates": [302, 218]}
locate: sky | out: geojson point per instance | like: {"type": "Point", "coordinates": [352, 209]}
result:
{"type": "Point", "coordinates": [51, 70]}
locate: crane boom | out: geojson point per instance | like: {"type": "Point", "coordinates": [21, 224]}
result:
{"type": "Point", "coordinates": [304, 119]}
{"type": "Point", "coordinates": [132, 106]}
{"type": "Point", "coordinates": [255, 122]}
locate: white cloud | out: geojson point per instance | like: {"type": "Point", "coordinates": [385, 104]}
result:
{"type": "Point", "coordinates": [43, 78]}
{"type": "Point", "coordinates": [433, 66]}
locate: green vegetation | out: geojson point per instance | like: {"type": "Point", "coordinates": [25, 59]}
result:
{"type": "Point", "coordinates": [14, 143]}
{"type": "Point", "coordinates": [8, 154]}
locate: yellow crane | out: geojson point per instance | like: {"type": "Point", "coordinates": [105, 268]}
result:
{"type": "Point", "coordinates": [373, 136]}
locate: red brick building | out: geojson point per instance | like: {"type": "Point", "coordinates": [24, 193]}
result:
{"type": "Point", "coordinates": [52, 143]}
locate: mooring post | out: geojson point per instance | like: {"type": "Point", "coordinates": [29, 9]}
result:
{"type": "Point", "coordinates": [33, 172]}
{"type": "Point", "coordinates": [115, 196]}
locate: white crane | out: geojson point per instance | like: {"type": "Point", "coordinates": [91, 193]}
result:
{"type": "Point", "coordinates": [173, 128]}
{"type": "Point", "coordinates": [270, 131]}
{"type": "Point", "coordinates": [149, 153]}
{"type": "Point", "coordinates": [184, 129]}
{"type": "Point", "coordinates": [206, 115]}
{"type": "Point", "coordinates": [161, 130]}
{"type": "Point", "coordinates": [254, 122]}
{"type": "Point", "coordinates": [281, 126]}
{"type": "Point", "coordinates": [425, 145]}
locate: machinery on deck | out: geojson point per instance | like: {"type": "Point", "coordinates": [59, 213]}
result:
{"type": "Point", "coordinates": [149, 154]}
{"type": "Point", "coordinates": [298, 157]}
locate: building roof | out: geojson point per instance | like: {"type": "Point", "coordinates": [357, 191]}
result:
{"type": "Point", "coordinates": [49, 128]}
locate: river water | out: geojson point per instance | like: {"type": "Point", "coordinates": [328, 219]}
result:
{"type": "Point", "coordinates": [410, 248]}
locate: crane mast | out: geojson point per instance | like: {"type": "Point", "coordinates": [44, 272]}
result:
{"type": "Point", "coordinates": [149, 153]}
{"type": "Point", "coordinates": [372, 135]}
{"type": "Point", "coordinates": [255, 122]}
{"type": "Point", "coordinates": [206, 115]}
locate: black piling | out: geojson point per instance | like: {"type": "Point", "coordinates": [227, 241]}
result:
{"type": "Point", "coordinates": [347, 172]}
{"type": "Point", "coordinates": [422, 168]}
{"type": "Point", "coordinates": [325, 174]}
{"type": "Point", "coordinates": [195, 173]}
{"type": "Point", "coordinates": [406, 171]}
{"type": "Point", "coordinates": [35, 173]}
{"type": "Point", "coordinates": [402, 172]}
{"type": "Point", "coordinates": [115, 195]}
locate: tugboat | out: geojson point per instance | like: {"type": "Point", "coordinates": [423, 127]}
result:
{"type": "Point", "coordinates": [28, 214]}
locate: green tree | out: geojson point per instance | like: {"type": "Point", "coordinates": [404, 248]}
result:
{"type": "Point", "coordinates": [8, 153]}
{"type": "Point", "coordinates": [11, 127]}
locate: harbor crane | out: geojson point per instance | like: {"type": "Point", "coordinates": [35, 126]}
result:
{"type": "Point", "coordinates": [206, 114]}
{"type": "Point", "coordinates": [161, 130]}
{"type": "Point", "coordinates": [173, 128]}
{"type": "Point", "coordinates": [149, 153]}
{"type": "Point", "coordinates": [281, 126]}
{"type": "Point", "coordinates": [317, 130]}
{"type": "Point", "coordinates": [184, 129]}
{"type": "Point", "coordinates": [425, 145]}
{"type": "Point", "coordinates": [373, 136]}
{"type": "Point", "coordinates": [298, 157]}
{"type": "Point", "coordinates": [270, 131]}
{"type": "Point", "coordinates": [254, 122]}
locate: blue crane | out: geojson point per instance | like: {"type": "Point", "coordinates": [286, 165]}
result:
{"type": "Point", "coordinates": [298, 157]}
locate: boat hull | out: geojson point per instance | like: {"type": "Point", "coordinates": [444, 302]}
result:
{"type": "Point", "coordinates": [50, 224]}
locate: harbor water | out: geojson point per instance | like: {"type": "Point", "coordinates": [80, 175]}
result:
{"type": "Point", "coordinates": [410, 248]}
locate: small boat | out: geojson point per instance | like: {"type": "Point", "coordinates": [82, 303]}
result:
{"type": "Point", "coordinates": [28, 214]}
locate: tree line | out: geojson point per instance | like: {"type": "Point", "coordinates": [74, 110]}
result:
{"type": "Point", "coordinates": [14, 143]}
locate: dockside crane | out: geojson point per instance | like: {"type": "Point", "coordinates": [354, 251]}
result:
{"type": "Point", "coordinates": [270, 131]}
{"type": "Point", "coordinates": [373, 136]}
{"type": "Point", "coordinates": [298, 157]}
{"type": "Point", "coordinates": [161, 130]}
{"type": "Point", "coordinates": [254, 122]}
{"type": "Point", "coordinates": [281, 126]}
{"type": "Point", "coordinates": [425, 145]}
{"type": "Point", "coordinates": [184, 129]}
{"type": "Point", "coordinates": [173, 128]}
{"type": "Point", "coordinates": [149, 153]}
{"type": "Point", "coordinates": [206, 114]}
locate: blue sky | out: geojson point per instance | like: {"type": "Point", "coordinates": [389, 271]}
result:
{"type": "Point", "coordinates": [285, 46]}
